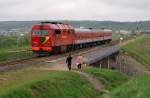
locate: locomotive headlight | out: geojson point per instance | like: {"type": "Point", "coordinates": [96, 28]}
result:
{"type": "Point", "coordinates": [48, 43]}
{"type": "Point", "coordinates": [35, 43]}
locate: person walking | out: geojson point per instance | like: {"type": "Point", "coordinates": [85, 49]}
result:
{"type": "Point", "coordinates": [69, 61]}
{"type": "Point", "coordinates": [79, 61]}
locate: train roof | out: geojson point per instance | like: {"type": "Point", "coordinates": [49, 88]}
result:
{"type": "Point", "coordinates": [91, 30]}
{"type": "Point", "coordinates": [51, 22]}
{"type": "Point", "coordinates": [59, 25]}
{"type": "Point", "coordinates": [53, 25]}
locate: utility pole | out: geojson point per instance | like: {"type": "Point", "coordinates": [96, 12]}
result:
{"type": "Point", "coordinates": [138, 28]}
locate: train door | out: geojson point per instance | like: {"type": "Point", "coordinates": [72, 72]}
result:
{"type": "Point", "coordinates": [57, 36]}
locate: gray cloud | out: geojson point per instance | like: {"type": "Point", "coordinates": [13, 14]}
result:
{"type": "Point", "coordinates": [139, 4]}
{"type": "Point", "coordinates": [119, 10]}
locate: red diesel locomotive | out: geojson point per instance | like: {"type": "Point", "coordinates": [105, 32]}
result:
{"type": "Point", "coordinates": [49, 37]}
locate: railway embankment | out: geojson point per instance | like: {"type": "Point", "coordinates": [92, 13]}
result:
{"type": "Point", "coordinates": [136, 57]}
{"type": "Point", "coordinates": [139, 49]}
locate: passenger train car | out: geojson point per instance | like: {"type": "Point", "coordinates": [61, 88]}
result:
{"type": "Point", "coordinates": [55, 37]}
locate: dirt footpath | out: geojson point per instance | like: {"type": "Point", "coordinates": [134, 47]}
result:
{"type": "Point", "coordinates": [61, 66]}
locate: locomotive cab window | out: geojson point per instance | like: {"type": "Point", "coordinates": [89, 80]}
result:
{"type": "Point", "coordinates": [57, 31]}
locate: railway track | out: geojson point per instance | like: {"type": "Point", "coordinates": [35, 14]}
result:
{"type": "Point", "coordinates": [23, 63]}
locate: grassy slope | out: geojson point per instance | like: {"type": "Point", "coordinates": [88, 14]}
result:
{"type": "Point", "coordinates": [110, 78]}
{"type": "Point", "coordinates": [140, 49]}
{"type": "Point", "coordinates": [45, 84]}
{"type": "Point", "coordinates": [136, 88]}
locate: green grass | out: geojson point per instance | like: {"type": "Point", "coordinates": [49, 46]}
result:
{"type": "Point", "coordinates": [46, 84]}
{"type": "Point", "coordinates": [7, 41]}
{"type": "Point", "coordinates": [109, 78]}
{"type": "Point", "coordinates": [10, 80]}
{"type": "Point", "coordinates": [11, 56]}
{"type": "Point", "coordinates": [135, 88]}
{"type": "Point", "coordinates": [13, 48]}
{"type": "Point", "coordinates": [140, 49]}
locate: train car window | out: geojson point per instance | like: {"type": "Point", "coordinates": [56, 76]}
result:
{"type": "Point", "coordinates": [64, 30]}
{"type": "Point", "coordinates": [69, 31]}
{"type": "Point", "coordinates": [57, 31]}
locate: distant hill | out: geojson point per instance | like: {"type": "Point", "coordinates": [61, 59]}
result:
{"type": "Point", "coordinates": [19, 25]}
{"type": "Point", "coordinates": [26, 25]}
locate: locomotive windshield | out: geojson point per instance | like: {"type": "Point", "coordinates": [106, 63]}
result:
{"type": "Point", "coordinates": [40, 32]}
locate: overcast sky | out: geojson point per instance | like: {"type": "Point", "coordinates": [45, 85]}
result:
{"type": "Point", "coordinates": [116, 10]}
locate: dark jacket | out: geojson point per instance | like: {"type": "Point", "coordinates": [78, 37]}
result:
{"type": "Point", "coordinates": [69, 60]}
